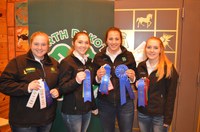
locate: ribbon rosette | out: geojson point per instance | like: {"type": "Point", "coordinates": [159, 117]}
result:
{"type": "Point", "coordinates": [87, 86]}
{"type": "Point", "coordinates": [120, 72]}
{"type": "Point", "coordinates": [105, 80]}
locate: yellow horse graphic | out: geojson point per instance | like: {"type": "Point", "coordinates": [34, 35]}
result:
{"type": "Point", "coordinates": [147, 20]}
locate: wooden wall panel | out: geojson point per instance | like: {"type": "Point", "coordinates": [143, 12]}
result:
{"type": "Point", "coordinates": [3, 26]}
{"type": "Point", "coordinates": [3, 38]}
{"type": "Point", "coordinates": [4, 100]}
{"type": "Point", "coordinates": [3, 64]}
{"type": "Point", "coordinates": [3, 4]}
{"type": "Point", "coordinates": [4, 105]}
{"type": "Point", "coordinates": [3, 51]}
{"type": "Point", "coordinates": [11, 42]}
{"type": "Point", "coordinates": [10, 14]}
{"type": "Point", "coordinates": [3, 13]}
{"type": "Point", "coordinates": [11, 31]}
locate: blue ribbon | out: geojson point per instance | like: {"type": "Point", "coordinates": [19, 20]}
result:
{"type": "Point", "coordinates": [120, 72]}
{"type": "Point", "coordinates": [141, 94]}
{"type": "Point", "coordinates": [87, 86]}
{"type": "Point", "coordinates": [105, 80]}
{"type": "Point", "coordinates": [49, 99]}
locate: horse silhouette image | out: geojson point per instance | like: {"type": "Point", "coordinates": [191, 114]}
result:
{"type": "Point", "coordinates": [147, 20]}
{"type": "Point", "coordinates": [21, 37]}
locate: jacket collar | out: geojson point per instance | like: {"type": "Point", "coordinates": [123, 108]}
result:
{"type": "Point", "coordinates": [46, 60]}
{"type": "Point", "coordinates": [123, 49]}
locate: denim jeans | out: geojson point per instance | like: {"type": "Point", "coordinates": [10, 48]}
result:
{"type": "Point", "coordinates": [45, 128]}
{"type": "Point", "coordinates": [124, 114]}
{"type": "Point", "coordinates": [151, 123]}
{"type": "Point", "coordinates": [77, 123]}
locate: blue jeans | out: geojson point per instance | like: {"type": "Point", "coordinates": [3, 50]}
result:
{"type": "Point", "coordinates": [124, 114]}
{"type": "Point", "coordinates": [45, 128]}
{"type": "Point", "coordinates": [151, 123]}
{"type": "Point", "coordinates": [77, 123]}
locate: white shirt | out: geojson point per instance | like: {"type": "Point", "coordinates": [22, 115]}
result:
{"type": "Point", "coordinates": [150, 68]}
{"type": "Point", "coordinates": [113, 56]}
{"type": "Point", "coordinates": [82, 59]}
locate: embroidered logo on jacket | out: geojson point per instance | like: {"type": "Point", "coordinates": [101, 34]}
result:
{"type": "Point", "coordinates": [53, 70]}
{"type": "Point", "coordinates": [29, 70]}
{"type": "Point", "coordinates": [123, 58]}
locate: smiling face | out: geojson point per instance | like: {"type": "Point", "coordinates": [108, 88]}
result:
{"type": "Point", "coordinates": [113, 41]}
{"type": "Point", "coordinates": [81, 43]}
{"type": "Point", "coordinates": [153, 49]}
{"type": "Point", "coordinates": [39, 45]}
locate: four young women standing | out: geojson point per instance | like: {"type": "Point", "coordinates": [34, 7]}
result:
{"type": "Point", "coordinates": [115, 98]}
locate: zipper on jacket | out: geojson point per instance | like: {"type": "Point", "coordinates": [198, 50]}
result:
{"type": "Point", "coordinates": [44, 73]}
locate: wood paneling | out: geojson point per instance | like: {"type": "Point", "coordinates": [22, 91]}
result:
{"type": "Point", "coordinates": [3, 64]}
{"type": "Point", "coordinates": [3, 4]}
{"type": "Point", "coordinates": [11, 47]}
{"type": "Point", "coordinates": [4, 105]}
{"type": "Point", "coordinates": [10, 14]}
{"type": "Point", "coordinates": [3, 26]}
{"type": "Point", "coordinates": [3, 38]}
{"type": "Point", "coordinates": [3, 13]}
{"type": "Point", "coordinates": [3, 51]}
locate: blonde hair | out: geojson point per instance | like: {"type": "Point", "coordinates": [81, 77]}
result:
{"type": "Point", "coordinates": [37, 34]}
{"type": "Point", "coordinates": [163, 61]}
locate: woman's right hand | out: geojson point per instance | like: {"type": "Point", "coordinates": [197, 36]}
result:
{"type": "Point", "coordinates": [80, 76]}
{"type": "Point", "coordinates": [100, 73]}
{"type": "Point", "coordinates": [34, 85]}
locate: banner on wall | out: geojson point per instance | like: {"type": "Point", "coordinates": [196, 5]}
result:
{"type": "Point", "coordinates": [61, 20]}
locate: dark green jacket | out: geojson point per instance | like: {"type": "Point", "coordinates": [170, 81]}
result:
{"type": "Point", "coordinates": [14, 81]}
{"type": "Point", "coordinates": [125, 58]}
{"type": "Point", "coordinates": [161, 94]}
{"type": "Point", "coordinates": [72, 91]}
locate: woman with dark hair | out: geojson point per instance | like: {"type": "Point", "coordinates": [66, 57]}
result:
{"type": "Point", "coordinates": [115, 68]}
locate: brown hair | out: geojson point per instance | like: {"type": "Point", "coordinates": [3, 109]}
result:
{"type": "Point", "coordinates": [78, 34]}
{"type": "Point", "coordinates": [163, 60]}
{"type": "Point", "coordinates": [113, 29]}
{"type": "Point", "coordinates": [39, 33]}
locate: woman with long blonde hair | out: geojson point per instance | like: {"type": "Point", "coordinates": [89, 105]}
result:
{"type": "Point", "coordinates": [156, 112]}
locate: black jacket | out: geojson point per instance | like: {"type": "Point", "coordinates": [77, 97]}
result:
{"type": "Point", "coordinates": [73, 102]}
{"type": "Point", "coordinates": [125, 58]}
{"type": "Point", "coordinates": [14, 81]}
{"type": "Point", "coordinates": [161, 94]}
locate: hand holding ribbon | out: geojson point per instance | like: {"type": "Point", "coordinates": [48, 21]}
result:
{"type": "Point", "coordinates": [80, 76]}
{"type": "Point", "coordinates": [105, 80]}
{"type": "Point", "coordinates": [131, 74]}
{"type": "Point", "coordinates": [43, 92]}
{"type": "Point", "coordinates": [120, 72]}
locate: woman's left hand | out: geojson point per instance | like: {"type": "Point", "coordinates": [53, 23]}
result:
{"type": "Point", "coordinates": [131, 74]}
{"type": "Point", "coordinates": [95, 112]}
{"type": "Point", "coordinates": [165, 125]}
{"type": "Point", "coordinates": [54, 93]}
